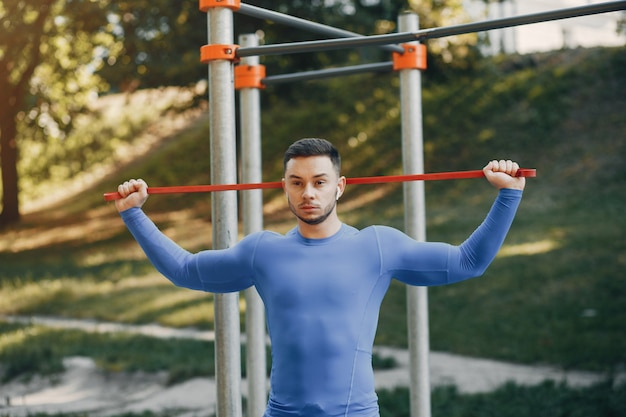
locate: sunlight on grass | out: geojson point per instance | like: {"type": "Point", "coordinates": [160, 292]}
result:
{"type": "Point", "coordinates": [366, 196]}
{"type": "Point", "coordinates": [95, 227]}
{"type": "Point", "coordinates": [198, 313]}
{"type": "Point", "coordinates": [172, 306]}
{"type": "Point", "coordinates": [16, 337]}
{"type": "Point", "coordinates": [17, 296]}
{"type": "Point", "coordinates": [23, 295]}
{"type": "Point", "coordinates": [190, 316]}
{"type": "Point", "coordinates": [133, 300]}
{"type": "Point", "coordinates": [531, 248]}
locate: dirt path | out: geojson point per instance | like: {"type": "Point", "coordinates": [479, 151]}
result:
{"type": "Point", "coordinates": [85, 388]}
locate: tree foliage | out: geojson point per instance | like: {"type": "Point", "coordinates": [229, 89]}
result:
{"type": "Point", "coordinates": [49, 52]}
{"type": "Point", "coordinates": [161, 44]}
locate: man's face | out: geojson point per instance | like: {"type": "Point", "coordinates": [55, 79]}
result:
{"type": "Point", "coordinates": [312, 187]}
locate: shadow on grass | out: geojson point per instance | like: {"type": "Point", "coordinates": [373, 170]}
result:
{"type": "Point", "coordinates": [548, 399]}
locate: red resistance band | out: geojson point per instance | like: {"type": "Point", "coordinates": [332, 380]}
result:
{"type": "Point", "coordinates": [522, 172]}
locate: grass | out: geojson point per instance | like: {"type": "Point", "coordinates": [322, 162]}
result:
{"type": "Point", "coordinates": [555, 295]}
{"type": "Point", "coordinates": [30, 349]}
{"type": "Point", "coordinates": [550, 399]}
{"type": "Point", "coordinates": [27, 349]}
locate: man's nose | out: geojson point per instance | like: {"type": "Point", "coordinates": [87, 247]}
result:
{"type": "Point", "coordinates": [308, 192]}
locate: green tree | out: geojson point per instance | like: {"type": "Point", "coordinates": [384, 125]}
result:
{"type": "Point", "coordinates": [49, 51]}
{"type": "Point", "coordinates": [161, 44]}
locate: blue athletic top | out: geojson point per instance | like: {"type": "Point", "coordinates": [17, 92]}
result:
{"type": "Point", "coordinates": [322, 296]}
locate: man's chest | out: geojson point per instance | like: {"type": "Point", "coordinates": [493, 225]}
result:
{"type": "Point", "coordinates": [326, 275]}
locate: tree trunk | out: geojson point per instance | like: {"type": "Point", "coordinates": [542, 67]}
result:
{"type": "Point", "coordinates": [8, 162]}
{"type": "Point", "coordinates": [11, 102]}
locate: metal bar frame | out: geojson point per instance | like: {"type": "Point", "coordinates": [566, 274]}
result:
{"type": "Point", "coordinates": [328, 73]}
{"type": "Point", "coordinates": [425, 34]}
{"type": "Point", "coordinates": [415, 226]}
{"type": "Point", "coordinates": [252, 208]}
{"type": "Point", "coordinates": [224, 212]}
{"type": "Point", "coordinates": [304, 24]}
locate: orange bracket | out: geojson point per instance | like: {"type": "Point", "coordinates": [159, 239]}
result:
{"type": "Point", "coordinates": [210, 53]}
{"type": "Point", "coordinates": [414, 57]}
{"type": "Point", "coordinates": [249, 76]}
{"type": "Point", "coordinates": [205, 5]}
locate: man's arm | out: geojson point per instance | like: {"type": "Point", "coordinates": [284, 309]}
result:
{"type": "Point", "coordinates": [473, 256]}
{"type": "Point", "coordinates": [419, 263]}
{"type": "Point", "coordinates": [213, 270]}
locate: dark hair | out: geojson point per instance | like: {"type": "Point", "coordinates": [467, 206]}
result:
{"type": "Point", "coordinates": [313, 147]}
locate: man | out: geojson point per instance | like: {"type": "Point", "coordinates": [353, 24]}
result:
{"type": "Point", "coordinates": [323, 282]}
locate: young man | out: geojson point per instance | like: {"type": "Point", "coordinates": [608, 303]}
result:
{"type": "Point", "coordinates": [323, 282]}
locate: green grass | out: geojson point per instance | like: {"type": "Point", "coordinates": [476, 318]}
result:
{"type": "Point", "coordinates": [26, 350]}
{"type": "Point", "coordinates": [548, 399]}
{"type": "Point", "coordinates": [555, 295]}
{"type": "Point", "coordinates": [129, 414]}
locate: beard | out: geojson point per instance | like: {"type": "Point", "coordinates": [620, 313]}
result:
{"type": "Point", "coordinates": [315, 220]}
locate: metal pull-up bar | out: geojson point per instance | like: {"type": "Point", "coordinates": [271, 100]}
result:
{"type": "Point", "coordinates": [425, 34]}
{"type": "Point", "coordinates": [328, 73]}
{"type": "Point", "coordinates": [304, 24]}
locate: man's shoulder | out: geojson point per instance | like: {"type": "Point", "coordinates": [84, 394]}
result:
{"type": "Point", "coordinates": [381, 229]}
{"type": "Point", "coordinates": [263, 235]}
{"type": "Point", "coordinates": [378, 233]}
{"type": "Point", "coordinates": [266, 237]}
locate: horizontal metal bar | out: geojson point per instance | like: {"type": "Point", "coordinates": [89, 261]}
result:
{"type": "Point", "coordinates": [421, 35]}
{"type": "Point", "coordinates": [327, 73]}
{"type": "Point", "coordinates": [527, 19]}
{"type": "Point", "coordinates": [325, 45]}
{"type": "Point", "coordinates": [285, 19]}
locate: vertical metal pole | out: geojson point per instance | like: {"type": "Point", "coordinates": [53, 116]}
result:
{"type": "Point", "coordinates": [224, 212]}
{"type": "Point", "coordinates": [252, 204]}
{"type": "Point", "coordinates": [415, 224]}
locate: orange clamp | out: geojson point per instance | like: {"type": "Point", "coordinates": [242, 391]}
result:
{"type": "Point", "coordinates": [249, 76]}
{"type": "Point", "coordinates": [414, 57]}
{"type": "Point", "coordinates": [214, 52]}
{"type": "Point", "coordinates": [205, 5]}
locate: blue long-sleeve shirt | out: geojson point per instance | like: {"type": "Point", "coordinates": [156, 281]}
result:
{"type": "Point", "coordinates": [322, 296]}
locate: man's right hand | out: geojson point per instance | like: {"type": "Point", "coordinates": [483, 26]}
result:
{"type": "Point", "coordinates": [134, 194]}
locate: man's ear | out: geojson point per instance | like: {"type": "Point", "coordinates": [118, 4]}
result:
{"type": "Point", "coordinates": [341, 187]}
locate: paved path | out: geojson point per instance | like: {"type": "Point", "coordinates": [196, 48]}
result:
{"type": "Point", "coordinates": [85, 388]}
